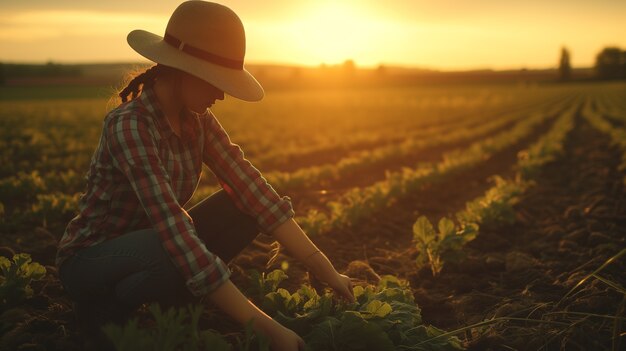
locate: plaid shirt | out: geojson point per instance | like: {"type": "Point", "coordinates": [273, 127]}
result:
{"type": "Point", "coordinates": [141, 175]}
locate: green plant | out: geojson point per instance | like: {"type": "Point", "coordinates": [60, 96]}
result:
{"type": "Point", "coordinates": [54, 208]}
{"type": "Point", "coordinates": [496, 205]}
{"type": "Point", "coordinates": [383, 317]}
{"type": "Point", "coordinates": [261, 284]}
{"type": "Point", "coordinates": [547, 148]}
{"type": "Point", "coordinates": [437, 247]}
{"type": "Point", "coordinates": [177, 329]}
{"type": "Point", "coordinates": [17, 275]}
{"type": "Point", "coordinates": [446, 244]}
{"type": "Point", "coordinates": [358, 203]}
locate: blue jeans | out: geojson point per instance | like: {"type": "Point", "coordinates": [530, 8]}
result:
{"type": "Point", "coordinates": [132, 269]}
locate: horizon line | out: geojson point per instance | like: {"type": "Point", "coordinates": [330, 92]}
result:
{"type": "Point", "coordinates": [287, 64]}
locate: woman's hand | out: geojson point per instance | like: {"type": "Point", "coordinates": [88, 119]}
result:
{"type": "Point", "coordinates": [285, 339]}
{"type": "Point", "coordinates": [340, 283]}
{"type": "Point", "coordinates": [301, 247]}
{"type": "Point", "coordinates": [228, 297]}
{"type": "Point", "coordinates": [324, 271]}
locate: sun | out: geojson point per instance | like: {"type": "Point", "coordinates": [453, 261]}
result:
{"type": "Point", "coordinates": [332, 32]}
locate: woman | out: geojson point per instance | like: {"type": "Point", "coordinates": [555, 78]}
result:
{"type": "Point", "coordinates": [132, 241]}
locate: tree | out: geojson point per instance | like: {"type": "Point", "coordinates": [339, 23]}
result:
{"type": "Point", "coordinates": [565, 68]}
{"type": "Point", "coordinates": [610, 63]}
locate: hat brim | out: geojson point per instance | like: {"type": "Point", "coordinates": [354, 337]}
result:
{"type": "Point", "coordinates": [237, 83]}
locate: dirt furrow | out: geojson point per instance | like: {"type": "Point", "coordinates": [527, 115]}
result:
{"type": "Point", "coordinates": [305, 200]}
{"type": "Point", "coordinates": [320, 157]}
{"type": "Point", "coordinates": [570, 223]}
{"type": "Point", "coordinates": [382, 239]}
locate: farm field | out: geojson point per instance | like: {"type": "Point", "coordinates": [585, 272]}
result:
{"type": "Point", "coordinates": [496, 212]}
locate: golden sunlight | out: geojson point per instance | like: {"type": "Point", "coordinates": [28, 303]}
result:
{"type": "Point", "coordinates": [439, 35]}
{"type": "Point", "coordinates": [333, 32]}
{"type": "Point", "coordinates": [42, 24]}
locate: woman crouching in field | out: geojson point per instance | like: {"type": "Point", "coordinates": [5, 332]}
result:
{"type": "Point", "coordinates": [132, 242]}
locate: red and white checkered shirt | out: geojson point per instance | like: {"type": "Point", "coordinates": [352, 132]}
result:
{"type": "Point", "coordinates": [141, 175]}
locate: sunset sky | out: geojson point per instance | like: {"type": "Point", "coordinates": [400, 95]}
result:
{"type": "Point", "coordinates": [444, 34]}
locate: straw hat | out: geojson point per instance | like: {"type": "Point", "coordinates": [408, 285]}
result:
{"type": "Point", "coordinates": [206, 40]}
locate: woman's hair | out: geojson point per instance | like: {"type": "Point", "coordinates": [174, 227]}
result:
{"type": "Point", "coordinates": [137, 78]}
{"type": "Point", "coordinates": [137, 82]}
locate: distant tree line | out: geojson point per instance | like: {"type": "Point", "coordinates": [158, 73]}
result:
{"type": "Point", "coordinates": [49, 69]}
{"type": "Point", "coordinates": [611, 63]}
{"type": "Point", "coordinates": [565, 68]}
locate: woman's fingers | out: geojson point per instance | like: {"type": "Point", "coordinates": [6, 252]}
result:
{"type": "Point", "coordinates": [345, 288]}
{"type": "Point", "coordinates": [348, 297]}
{"type": "Point", "coordinates": [341, 283]}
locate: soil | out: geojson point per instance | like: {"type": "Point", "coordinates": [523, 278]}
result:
{"type": "Point", "coordinates": [314, 199]}
{"type": "Point", "coordinates": [568, 224]}
{"type": "Point", "coordinates": [326, 156]}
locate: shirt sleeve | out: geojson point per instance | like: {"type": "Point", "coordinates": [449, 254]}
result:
{"type": "Point", "coordinates": [243, 182]}
{"type": "Point", "coordinates": [134, 151]}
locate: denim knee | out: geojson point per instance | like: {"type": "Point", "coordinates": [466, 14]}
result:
{"type": "Point", "coordinates": [133, 268]}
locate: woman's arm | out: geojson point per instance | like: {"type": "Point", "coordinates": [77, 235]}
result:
{"type": "Point", "coordinates": [243, 182]}
{"type": "Point", "coordinates": [230, 300]}
{"type": "Point", "coordinates": [290, 235]}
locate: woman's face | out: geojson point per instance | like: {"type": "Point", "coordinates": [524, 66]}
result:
{"type": "Point", "coordinates": [197, 94]}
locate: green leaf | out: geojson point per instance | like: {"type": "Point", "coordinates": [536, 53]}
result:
{"type": "Point", "coordinates": [358, 291]}
{"type": "Point", "coordinates": [35, 271]}
{"type": "Point", "coordinates": [446, 227]}
{"type": "Point", "coordinates": [423, 230]}
{"type": "Point", "coordinates": [16, 278]}
{"type": "Point", "coordinates": [391, 281]}
{"type": "Point", "coordinates": [356, 333]}
{"type": "Point", "coordinates": [384, 317]}
{"type": "Point", "coordinates": [307, 292]}
{"type": "Point", "coordinates": [275, 277]}
{"type": "Point", "coordinates": [377, 308]}
{"type": "Point", "coordinates": [174, 329]}
{"type": "Point", "coordinates": [275, 301]}
{"type": "Point", "coordinates": [323, 335]}
{"type": "Point", "coordinates": [4, 264]}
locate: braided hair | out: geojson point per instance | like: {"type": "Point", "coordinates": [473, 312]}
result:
{"type": "Point", "coordinates": [134, 87]}
{"type": "Point", "coordinates": [137, 79]}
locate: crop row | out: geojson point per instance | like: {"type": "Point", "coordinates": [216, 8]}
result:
{"type": "Point", "coordinates": [612, 106]}
{"type": "Point", "coordinates": [335, 147]}
{"type": "Point", "coordinates": [56, 135]}
{"type": "Point", "coordinates": [495, 207]}
{"type": "Point", "coordinates": [46, 146]}
{"type": "Point", "coordinates": [324, 175]}
{"type": "Point", "coordinates": [612, 103]}
{"type": "Point", "coordinates": [618, 135]}
{"type": "Point", "coordinates": [358, 203]}
{"type": "Point", "coordinates": [383, 317]}
{"type": "Point", "coordinates": [31, 198]}
{"type": "Point", "coordinates": [297, 120]}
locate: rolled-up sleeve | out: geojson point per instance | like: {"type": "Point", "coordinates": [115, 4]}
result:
{"type": "Point", "coordinates": [244, 183]}
{"type": "Point", "coordinates": [134, 151]}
